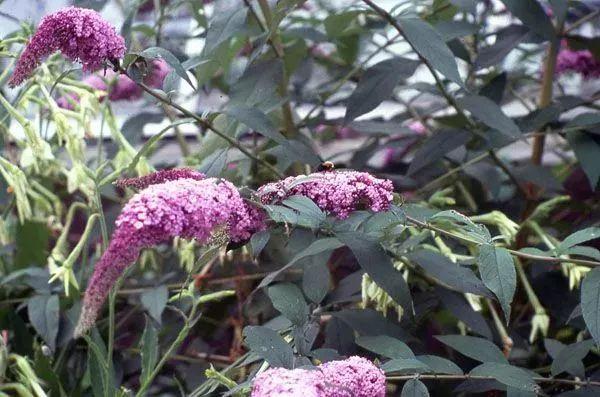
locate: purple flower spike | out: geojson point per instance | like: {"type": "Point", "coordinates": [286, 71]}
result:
{"type": "Point", "coordinates": [187, 208]}
{"type": "Point", "coordinates": [353, 377]}
{"type": "Point", "coordinates": [337, 192]}
{"type": "Point", "coordinates": [161, 176]}
{"type": "Point", "coordinates": [289, 383]}
{"type": "Point", "coordinates": [79, 33]}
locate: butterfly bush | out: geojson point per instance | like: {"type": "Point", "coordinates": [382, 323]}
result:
{"type": "Point", "coordinates": [353, 377]}
{"type": "Point", "coordinates": [80, 34]}
{"type": "Point", "coordinates": [582, 62]}
{"type": "Point", "coordinates": [123, 89]}
{"type": "Point", "coordinates": [189, 207]}
{"type": "Point", "coordinates": [337, 192]}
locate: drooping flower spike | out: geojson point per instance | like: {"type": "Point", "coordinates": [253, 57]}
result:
{"type": "Point", "coordinates": [188, 208]}
{"type": "Point", "coordinates": [353, 377]}
{"type": "Point", "coordinates": [80, 34]}
{"type": "Point", "coordinates": [336, 192]}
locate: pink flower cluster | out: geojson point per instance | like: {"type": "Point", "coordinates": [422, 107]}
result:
{"type": "Point", "coordinates": [353, 377]}
{"type": "Point", "coordinates": [188, 208]}
{"type": "Point", "coordinates": [79, 33]}
{"type": "Point", "coordinates": [160, 176]}
{"type": "Point", "coordinates": [582, 62]}
{"type": "Point", "coordinates": [337, 192]}
{"type": "Point", "coordinates": [123, 87]}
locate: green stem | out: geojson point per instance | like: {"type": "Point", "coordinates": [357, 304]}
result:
{"type": "Point", "coordinates": [205, 124]}
{"type": "Point", "coordinates": [519, 254]}
{"type": "Point", "coordinates": [449, 98]}
{"type": "Point", "coordinates": [187, 326]}
{"type": "Point", "coordinates": [533, 299]}
{"type": "Point", "coordinates": [100, 211]}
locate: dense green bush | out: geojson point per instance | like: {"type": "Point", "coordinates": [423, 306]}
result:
{"type": "Point", "coordinates": [477, 276]}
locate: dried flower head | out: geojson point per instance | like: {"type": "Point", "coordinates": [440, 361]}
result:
{"type": "Point", "coordinates": [353, 377]}
{"type": "Point", "coordinates": [80, 34]}
{"type": "Point", "coordinates": [187, 208]}
{"type": "Point", "coordinates": [337, 192]}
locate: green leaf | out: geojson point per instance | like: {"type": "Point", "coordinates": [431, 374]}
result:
{"type": "Point", "coordinates": [497, 270]}
{"type": "Point", "coordinates": [386, 346]}
{"type": "Point", "coordinates": [590, 303]}
{"type": "Point", "coordinates": [587, 150]}
{"type": "Point", "coordinates": [513, 392]}
{"type": "Point", "coordinates": [506, 374]}
{"type": "Point", "coordinates": [583, 250]}
{"type": "Point", "coordinates": [306, 207]}
{"type": "Point", "coordinates": [224, 26]}
{"type": "Point", "coordinates": [584, 120]}
{"type": "Point", "coordinates": [213, 164]}
{"type": "Point", "coordinates": [289, 301]}
{"type": "Point", "coordinates": [476, 348]}
{"type": "Point", "coordinates": [490, 114]}
{"type": "Point", "coordinates": [532, 14]}
{"type": "Point", "coordinates": [342, 24]}
{"type": "Point", "coordinates": [451, 274]}
{"type": "Point", "coordinates": [32, 239]}
{"type": "Point", "coordinates": [404, 366]}
{"type": "Point", "coordinates": [440, 365]}
{"type": "Point", "coordinates": [450, 30]}
{"type": "Point", "coordinates": [377, 84]}
{"type": "Point", "coordinates": [270, 346]}
{"type": "Point", "coordinates": [101, 376]}
{"type": "Point", "coordinates": [378, 265]}
{"type": "Point", "coordinates": [316, 278]}
{"type": "Point", "coordinates": [414, 388]}
{"type": "Point", "coordinates": [149, 350]}
{"type": "Point", "coordinates": [436, 147]}
{"type": "Point", "coordinates": [161, 53]}
{"type": "Point", "coordinates": [316, 247]}
{"type": "Point", "coordinates": [569, 358]}
{"type": "Point", "coordinates": [430, 45]}
{"type": "Point", "coordinates": [506, 40]}
{"type": "Point", "coordinates": [258, 241]}
{"type": "Point", "coordinates": [154, 301]}
{"type": "Point", "coordinates": [256, 120]}
{"type": "Point", "coordinates": [43, 312]}
{"type": "Point", "coordinates": [258, 86]}
{"type": "Point", "coordinates": [580, 236]}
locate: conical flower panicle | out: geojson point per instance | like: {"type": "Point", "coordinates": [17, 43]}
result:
{"type": "Point", "coordinates": [187, 208]}
{"type": "Point", "coordinates": [80, 34]}
{"type": "Point", "coordinates": [337, 192]}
